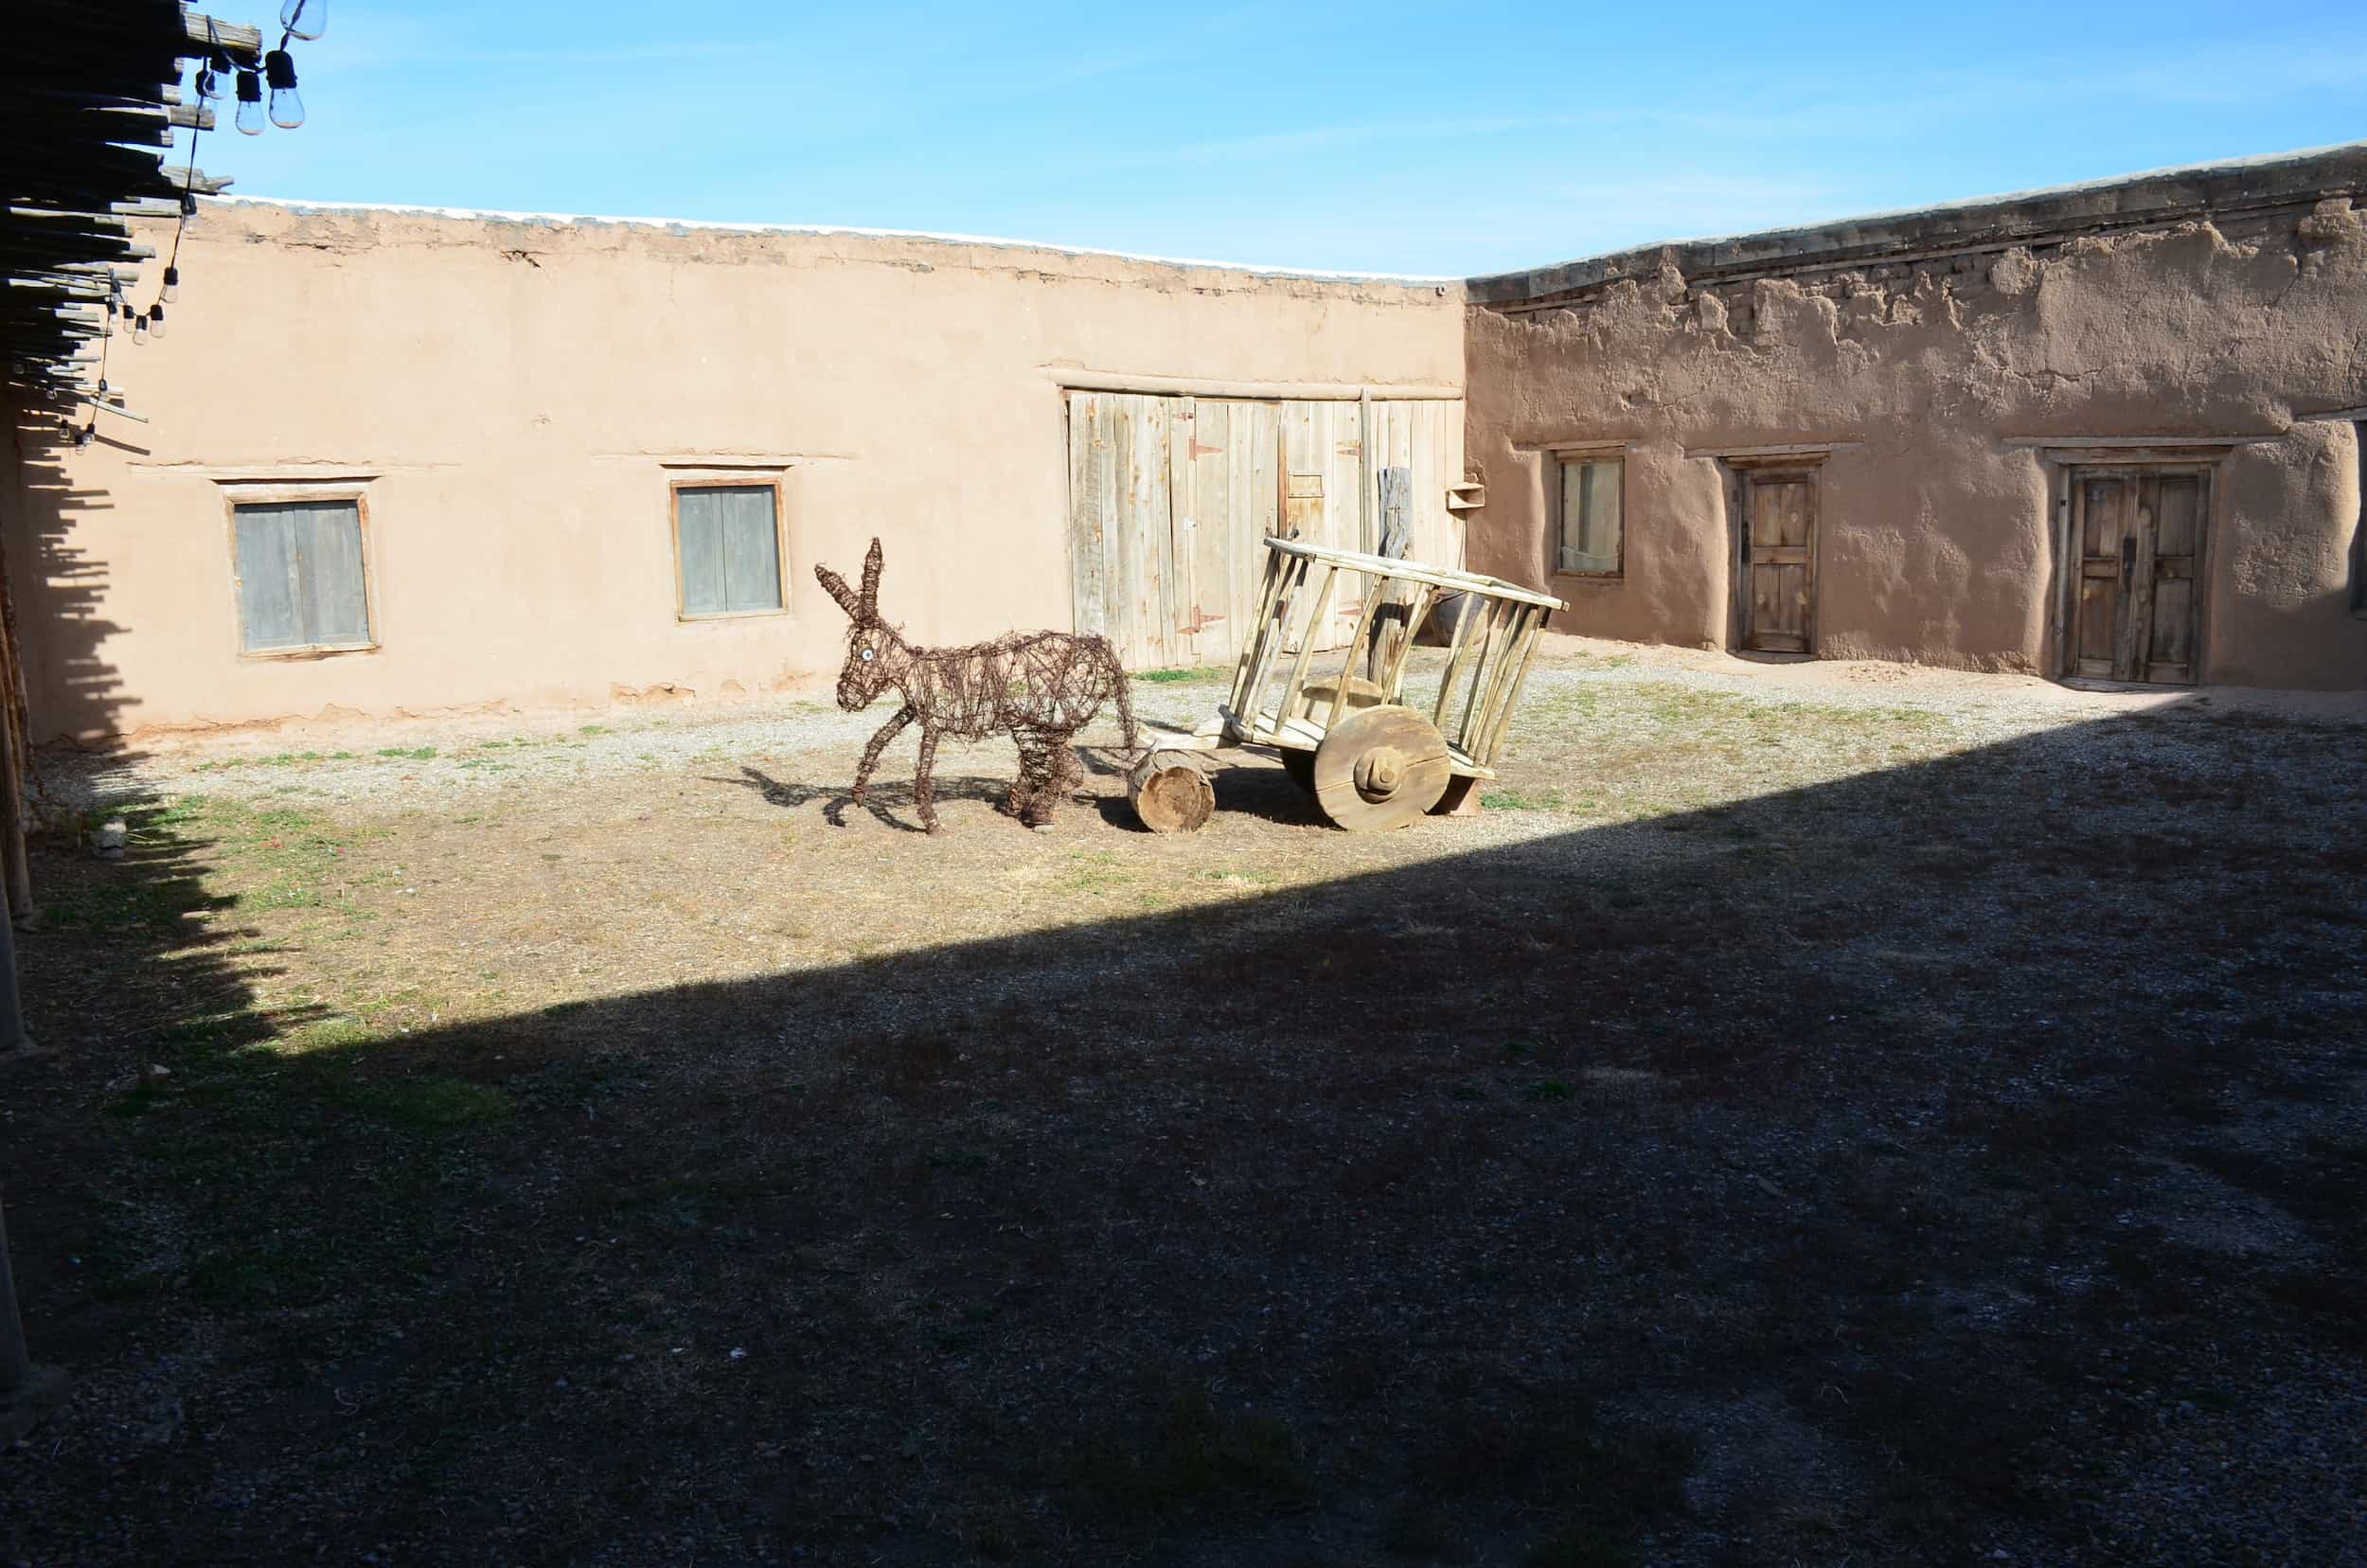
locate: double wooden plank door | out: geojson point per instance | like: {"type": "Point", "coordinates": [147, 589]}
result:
{"type": "Point", "coordinates": [1169, 498]}
{"type": "Point", "coordinates": [1778, 560]}
{"type": "Point", "coordinates": [2137, 534]}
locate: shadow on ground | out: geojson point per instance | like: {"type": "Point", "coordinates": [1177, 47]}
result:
{"type": "Point", "coordinates": [1956, 1160]}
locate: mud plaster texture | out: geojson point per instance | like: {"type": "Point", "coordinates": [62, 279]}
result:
{"type": "Point", "coordinates": [513, 397]}
{"type": "Point", "coordinates": [1936, 383]}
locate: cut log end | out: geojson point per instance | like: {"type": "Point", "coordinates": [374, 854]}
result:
{"type": "Point", "coordinates": [1170, 795]}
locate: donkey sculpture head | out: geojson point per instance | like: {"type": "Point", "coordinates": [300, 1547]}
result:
{"type": "Point", "coordinates": [1039, 687]}
{"type": "Point", "coordinates": [871, 643]}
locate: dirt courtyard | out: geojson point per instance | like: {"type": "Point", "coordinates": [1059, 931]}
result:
{"type": "Point", "coordinates": [1816, 1114]}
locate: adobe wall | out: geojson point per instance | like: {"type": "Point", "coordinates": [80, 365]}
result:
{"type": "Point", "coordinates": [514, 389]}
{"type": "Point", "coordinates": [1937, 379]}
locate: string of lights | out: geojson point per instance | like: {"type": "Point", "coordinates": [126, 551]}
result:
{"type": "Point", "coordinates": [299, 20]}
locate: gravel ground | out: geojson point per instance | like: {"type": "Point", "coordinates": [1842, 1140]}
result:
{"type": "Point", "coordinates": [346, 762]}
{"type": "Point", "coordinates": [1817, 1114]}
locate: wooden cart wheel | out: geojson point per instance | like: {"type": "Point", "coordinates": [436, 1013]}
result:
{"type": "Point", "coordinates": [1381, 768]}
{"type": "Point", "coordinates": [1300, 765]}
{"type": "Point", "coordinates": [1170, 794]}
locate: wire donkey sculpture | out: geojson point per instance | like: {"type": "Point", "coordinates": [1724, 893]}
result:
{"type": "Point", "coordinates": [1040, 687]}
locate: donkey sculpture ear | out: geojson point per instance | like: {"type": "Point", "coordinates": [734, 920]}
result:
{"type": "Point", "coordinates": [836, 587]}
{"type": "Point", "coordinates": [871, 577]}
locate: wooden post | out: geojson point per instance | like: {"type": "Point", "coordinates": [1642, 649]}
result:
{"type": "Point", "coordinates": [27, 1393]}
{"type": "Point", "coordinates": [1396, 542]}
{"type": "Point", "coordinates": [16, 758]}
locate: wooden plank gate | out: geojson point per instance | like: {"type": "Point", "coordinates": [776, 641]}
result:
{"type": "Point", "coordinates": [1169, 497]}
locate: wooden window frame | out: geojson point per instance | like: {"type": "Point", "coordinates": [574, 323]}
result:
{"type": "Point", "coordinates": [683, 615]}
{"type": "Point", "coordinates": [1565, 455]}
{"type": "Point", "coordinates": [2202, 460]}
{"type": "Point", "coordinates": [238, 495]}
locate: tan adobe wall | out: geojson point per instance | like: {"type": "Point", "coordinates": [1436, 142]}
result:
{"type": "Point", "coordinates": [1938, 380]}
{"type": "Point", "coordinates": [513, 391]}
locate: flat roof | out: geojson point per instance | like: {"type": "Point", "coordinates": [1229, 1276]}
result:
{"type": "Point", "coordinates": [2124, 200]}
{"type": "Point", "coordinates": [2024, 216]}
{"type": "Point", "coordinates": [570, 219]}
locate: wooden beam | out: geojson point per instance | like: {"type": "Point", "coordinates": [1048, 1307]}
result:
{"type": "Point", "coordinates": [244, 44]}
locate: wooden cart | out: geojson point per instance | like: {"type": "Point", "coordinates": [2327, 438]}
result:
{"type": "Point", "coordinates": [1339, 716]}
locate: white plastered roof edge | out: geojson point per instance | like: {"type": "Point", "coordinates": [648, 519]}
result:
{"type": "Point", "coordinates": [710, 226]}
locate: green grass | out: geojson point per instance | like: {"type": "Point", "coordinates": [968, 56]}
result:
{"type": "Point", "coordinates": [1167, 677]}
{"type": "Point", "coordinates": [415, 753]}
{"type": "Point", "coordinates": [1524, 801]}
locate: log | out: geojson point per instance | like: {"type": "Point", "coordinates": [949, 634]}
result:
{"type": "Point", "coordinates": [1170, 794]}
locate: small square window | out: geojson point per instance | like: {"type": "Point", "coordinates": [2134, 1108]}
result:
{"type": "Point", "coordinates": [1590, 535]}
{"type": "Point", "coordinates": [727, 549]}
{"type": "Point", "coordinates": [301, 583]}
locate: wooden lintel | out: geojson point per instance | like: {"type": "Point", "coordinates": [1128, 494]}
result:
{"type": "Point", "coordinates": [1801, 451]}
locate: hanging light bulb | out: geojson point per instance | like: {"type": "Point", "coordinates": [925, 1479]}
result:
{"type": "Point", "coordinates": [208, 88]}
{"type": "Point", "coordinates": [127, 315]}
{"type": "Point", "coordinates": [250, 103]}
{"type": "Point", "coordinates": [172, 285]}
{"type": "Point", "coordinates": [140, 328]}
{"type": "Point", "coordinates": [305, 19]}
{"type": "Point", "coordinates": [287, 110]}
{"type": "Point", "coordinates": [156, 320]}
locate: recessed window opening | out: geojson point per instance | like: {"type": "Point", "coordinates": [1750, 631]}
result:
{"type": "Point", "coordinates": [302, 586]}
{"type": "Point", "coordinates": [1591, 533]}
{"type": "Point", "coordinates": [727, 549]}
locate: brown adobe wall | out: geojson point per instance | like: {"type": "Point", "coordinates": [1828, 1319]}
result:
{"type": "Point", "coordinates": [1935, 379]}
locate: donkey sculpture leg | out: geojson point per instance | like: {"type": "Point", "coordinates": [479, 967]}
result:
{"type": "Point", "coordinates": [1048, 774]}
{"type": "Point", "coordinates": [889, 732]}
{"type": "Point", "coordinates": [925, 779]}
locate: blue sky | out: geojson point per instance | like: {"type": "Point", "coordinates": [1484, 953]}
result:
{"type": "Point", "coordinates": [1369, 137]}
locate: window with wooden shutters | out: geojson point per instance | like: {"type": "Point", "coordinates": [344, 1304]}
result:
{"type": "Point", "coordinates": [301, 579]}
{"type": "Point", "coordinates": [1592, 531]}
{"type": "Point", "coordinates": [727, 549]}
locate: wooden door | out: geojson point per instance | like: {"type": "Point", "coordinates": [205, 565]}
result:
{"type": "Point", "coordinates": [1229, 499]}
{"type": "Point", "coordinates": [1779, 560]}
{"type": "Point", "coordinates": [2138, 533]}
{"type": "Point", "coordinates": [1169, 497]}
{"type": "Point", "coordinates": [1121, 452]}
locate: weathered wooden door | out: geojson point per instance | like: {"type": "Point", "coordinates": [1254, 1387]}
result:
{"type": "Point", "coordinates": [2139, 537]}
{"type": "Point", "coordinates": [1778, 560]}
{"type": "Point", "coordinates": [1230, 500]}
{"type": "Point", "coordinates": [1169, 497]}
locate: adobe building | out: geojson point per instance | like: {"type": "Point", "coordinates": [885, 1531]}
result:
{"type": "Point", "coordinates": [403, 461]}
{"type": "Point", "coordinates": [411, 462]}
{"type": "Point", "coordinates": [2107, 430]}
